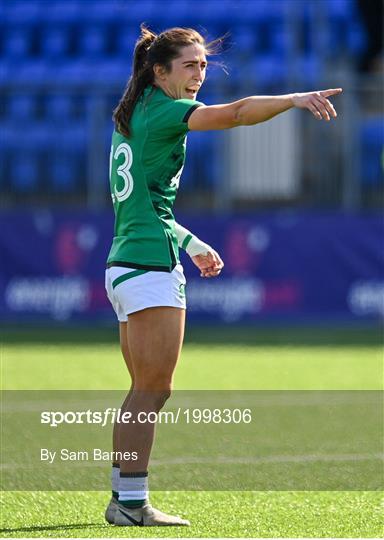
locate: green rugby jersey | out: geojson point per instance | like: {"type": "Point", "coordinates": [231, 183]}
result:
{"type": "Point", "coordinates": [145, 170]}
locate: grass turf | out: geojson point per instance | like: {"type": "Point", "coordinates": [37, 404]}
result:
{"type": "Point", "coordinates": [296, 359]}
{"type": "Point", "coordinates": [231, 359]}
{"type": "Point", "coordinates": [219, 514]}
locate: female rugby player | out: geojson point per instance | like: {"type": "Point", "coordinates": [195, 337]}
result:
{"type": "Point", "coordinates": [144, 278]}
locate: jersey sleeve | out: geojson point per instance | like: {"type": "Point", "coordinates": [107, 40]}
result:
{"type": "Point", "coordinates": [171, 118]}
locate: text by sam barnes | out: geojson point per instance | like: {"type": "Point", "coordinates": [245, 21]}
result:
{"type": "Point", "coordinates": [96, 454]}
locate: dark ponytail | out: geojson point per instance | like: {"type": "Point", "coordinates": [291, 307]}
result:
{"type": "Point", "coordinates": [142, 75]}
{"type": "Point", "coordinates": [153, 49]}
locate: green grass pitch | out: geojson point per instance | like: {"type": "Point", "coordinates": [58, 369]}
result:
{"type": "Point", "coordinates": [216, 359]}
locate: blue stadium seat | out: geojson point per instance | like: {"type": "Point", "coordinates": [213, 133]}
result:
{"type": "Point", "coordinates": [24, 173]}
{"type": "Point", "coordinates": [31, 71]}
{"type": "Point", "coordinates": [308, 70]}
{"type": "Point", "coordinates": [45, 135]}
{"type": "Point", "coordinates": [340, 10]}
{"type": "Point", "coordinates": [64, 12]}
{"type": "Point", "coordinates": [262, 11]}
{"type": "Point", "coordinates": [337, 37]}
{"type": "Point", "coordinates": [93, 41]}
{"type": "Point", "coordinates": [244, 40]}
{"type": "Point", "coordinates": [124, 42]}
{"type": "Point", "coordinates": [76, 71]}
{"type": "Point", "coordinates": [346, 34]}
{"type": "Point", "coordinates": [6, 69]}
{"type": "Point", "coordinates": [111, 71]}
{"type": "Point", "coordinates": [21, 107]}
{"type": "Point", "coordinates": [216, 75]}
{"type": "Point", "coordinates": [59, 107]}
{"type": "Point", "coordinates": [221, 79]}
{"type": "Point", "coordinates": [199, 172]}
{"type": "Point", "coordinates": [372, 151]}
{"type": "Point", "coordinates": [54, 41]}
{"type": "Point", "coordinates": [85, 72]}
{"type": "Point", "coordinates": [356, 39]}
{"type": "Point", "coordinates": [10, 134]}
{"type": "Point", "coordinates": [108, 134]}
{"type": "Point", "coordinates": [207, 97]}
{"type": "Point", "coordinates": [72, 136]}
{"type": "Point", "coordinates": [185, 15]}
{"type": "Point", "coordinates": [268, 71]}
{"type": "Point", "coordinates": [35, 137]}
{"type": "Point", "coordinates": [281, 40]}
{"type": "Point", "coordinates": [17, 42]}
{"type": "Point", "coordinates": [134, 13]}
{"type": "Point", "coordinates": [62, 171]}
{"type": "Point", "coordinates": [103, 12]}
{"type": "Point", "coordinates": [38, 137]}
{"type": "Point", "coordinates": [22, 12]}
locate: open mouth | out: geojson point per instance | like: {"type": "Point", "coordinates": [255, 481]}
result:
{"type": "Point", "coordinates": [192, 91]}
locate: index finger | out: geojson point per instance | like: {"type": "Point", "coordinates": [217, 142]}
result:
{"type": "Point", "coordinates": [331, 92]}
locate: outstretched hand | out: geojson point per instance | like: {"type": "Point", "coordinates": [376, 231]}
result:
{"type": "Point", "coordinates": [317, 103]}
{"type": "Point", "coordinates": [209, 263]}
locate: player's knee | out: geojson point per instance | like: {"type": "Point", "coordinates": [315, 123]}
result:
{"type": "Point", "coordinates": [155, 392]}
{"type": "Point", "coordinates": [161, 398]}
{"type": "Point", "coordinates": [152, 399]}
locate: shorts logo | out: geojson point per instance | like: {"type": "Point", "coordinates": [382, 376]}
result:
{"type": "Point", "coordinates": [182, 290]}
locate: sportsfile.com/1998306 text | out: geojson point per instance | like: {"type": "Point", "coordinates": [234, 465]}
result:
{"type": "Point", "coordinates": [179, 415]}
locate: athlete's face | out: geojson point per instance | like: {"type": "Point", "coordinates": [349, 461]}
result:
{"type": "Point", "coordinates": [187, 73]}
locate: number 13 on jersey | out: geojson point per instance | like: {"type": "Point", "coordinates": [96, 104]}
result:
{"type": "Point", "coordinates": [122, 171]}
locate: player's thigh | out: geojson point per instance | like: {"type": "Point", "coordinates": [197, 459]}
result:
{"type": "Point", "coordinates": [155, 336]}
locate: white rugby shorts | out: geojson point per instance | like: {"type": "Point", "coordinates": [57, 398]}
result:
{"type": "Point", "coordinates": [130, 290]}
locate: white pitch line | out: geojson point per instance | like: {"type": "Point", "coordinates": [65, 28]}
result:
{"type": "Point", "coordinates": [310, 458]}
{"type": "Point", "coordinates": [190, 460]}
{"type": "Point", "coordinates": [318, 398]}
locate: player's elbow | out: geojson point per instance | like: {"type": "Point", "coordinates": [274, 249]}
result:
{"type": "Point", "coordinates": [236, 120]}
{"type": "Point", "coordinates": [241, 116]}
